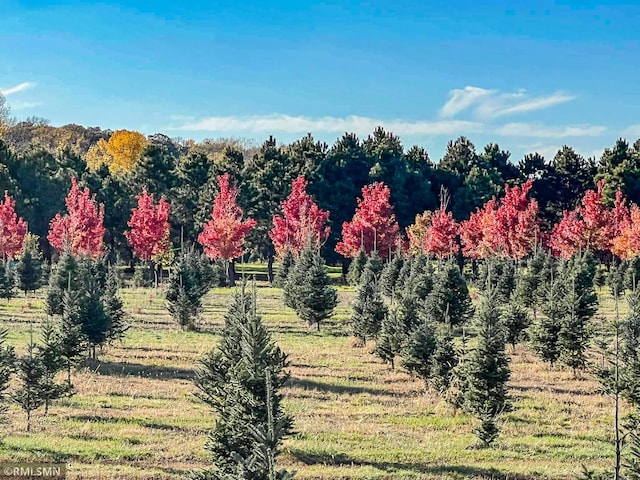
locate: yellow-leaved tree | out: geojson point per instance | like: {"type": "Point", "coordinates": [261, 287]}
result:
{"type": "Point", "coordinates": [120, 153]}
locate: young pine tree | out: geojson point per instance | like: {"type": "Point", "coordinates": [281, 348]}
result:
{"type": "Point", "coordinates": [516, 321]}
{"type": "Point", "coordinates": [63, 278]}
{"type": "Point", "coordinates": [190, 280]}
{"type": "Point", "coordinates": [390, 338]}
{"type": "Point", "coordinates": [369, 309]}
{"type": "Point", "coordinates": [530, 282]}
{"type": "Point", "coordinates": [417, 354]}
{"type": "Point", "coordinates": [49, 353]}
{"type": "Point", "coordinates": [444, 361]}
{"type": "Point", "coordinates": [72, 341]}
{"type": "Point", "coordinates": [113, 307]}
{"type": "Point", "coordinates": [241, 380]}
{"type": "Point", "coordinates": [581, 305]}
{"type": "Point", "coordinates": [94, 322]}
{"type": "Point", "coordinates": [450, 303]}
{"type": "Point", "coordinates": [31, 374]}
{"type": "Point", "coordinates": [286, 264]}
{"type": "Point", "coordinates": [356, 268]}
{"type": "Point", "coordinates": [7, 367]}
{"type": "Point", "coordinates": [544, 334]}
{"type": "Point", "coordinates": [315, 297]}
{"type": "Point", "coordinates": [413, 292]}
{"type": "Point", "coordinates": [7, 281]}
{"type": "Point", "coordinates": [29, 268]}
{"type": "Point", "coordinates": [389, 279]}
{"type": "Point", "coordinates": [486, 371]}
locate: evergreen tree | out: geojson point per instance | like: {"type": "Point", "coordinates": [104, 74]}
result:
{"type": "Point", "coordinates": [444, 361]}
{"type": "Point", "coordinates": [417, 355]}
{"type": "Point", "coordinates": [581, 305]}
{"type": "Point", "coordinates": [530, 282]}
{"type": "Point", "coordinates": [516, 320]}
{"type": "Point", "coordinates": [417, 286]}
{"type": "Point", "coordinates": [72, 341]}
{"type": "Point", "coordinates": [498, 274]}
{"type": "Point", "coordinates": [369, 309]}
{"type": "Point", "coordinates": [632, 273]}
{"type": "Point", "coordinates": [315, 297]}
{"type": "Point", "coordinates": [29, 268]}
{"type": "Point", "coordinates": [31, 374]}
{"type": "Point", "coordinates": [544, 333]}
{"type": "Point", "coordinates": [390, 338]}
{"type": "Point", "coordinates": [486, 371]}
{"type": "Point", "coordinates": [63, 277]}
{"type": "Point", "coordinates": [49, 353]}
{"type": "Point", "coordinates": [295, 277]}
{"type": "Point", "coordinates": [241, 381]}
{"type": "Point", "coordinates": [356, 268]}
{"type": "Point", "coordinates": [7, 281]}
{"type": "Point", "coordinates": [450, 302]}
{"type": "Point", "coordinates": [286, 264]}
{"type": "Point", "coordinates": [113, 307]}
{"type": "Point", "coordinates": [7, 367]}
{"type": "Point", "coordinates": [190, 280]}
{"type": "Point", "coordinates": [389, 280]}
{"type": "Point", "coordinates": [94, 322]}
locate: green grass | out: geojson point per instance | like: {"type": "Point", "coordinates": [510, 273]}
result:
{"type": "Point", "coordinates": [135, 415]}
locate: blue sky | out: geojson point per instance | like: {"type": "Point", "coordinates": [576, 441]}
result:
{"type": "Point", "coordinates": [530, 78]}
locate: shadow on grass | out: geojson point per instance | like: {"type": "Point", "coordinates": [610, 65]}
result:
{"type": "Point", "coordinates": [126, 369]}
{"type": "Point", "coordinates": [50, 454]}
{"type": "Point", "coordinates": [143, 422]}
{"type": "Point", "coordinates": [465, 471]}
{"type": "Point", "coordinates": [307, 384]}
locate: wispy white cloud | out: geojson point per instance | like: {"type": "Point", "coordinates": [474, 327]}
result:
{"type": "Point", "coordinates": [492, 104]}
{"type": "Point", "coordinates": [17, 88]}
{"type": "Point", "coordinates": [632, 131]}
{"type": "Point", "coordinates": [25, 105]}
{"type": "Point", "coordinates": [461, 99]}
{"type": "Point", "coordinates": [356, 124]}
{"type": "Point", "coordinates": [546, 131]}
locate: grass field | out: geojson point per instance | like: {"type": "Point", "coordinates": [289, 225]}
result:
{"type": "Point", "coordinates": [134, 415]}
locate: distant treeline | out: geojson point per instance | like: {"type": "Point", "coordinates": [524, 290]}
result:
{"type": "Point", "coordinates": [37, 162]}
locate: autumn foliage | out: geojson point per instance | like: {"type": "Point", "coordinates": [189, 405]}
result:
{"type": "Point", "coordinates": [440, 238]}
{"type": "Point", "coordinates": [120, 153]}
{"type": "Point", "coordinates": [302, 221]}
{"type": "Point", "coordinates": [81, 229]}
{"type": "Point", "coordinates": [224, 235]}
{"type": "Point", "coordinates": [13, 229]}
{"type": "Point", "coordinates": [149, 225]}
{"type": "Point", "coordinates": [373, 226]}
{"type": "Point", "coordinates": [507, 228]}
{"type": "Point", "coordinates": [591, 226]}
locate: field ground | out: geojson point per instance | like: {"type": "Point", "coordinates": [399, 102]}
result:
{"type": "Point", "coordinates": [135, 416]}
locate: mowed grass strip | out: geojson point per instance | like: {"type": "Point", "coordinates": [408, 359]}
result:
{"type": "Point", "coordinates": [135, 414]}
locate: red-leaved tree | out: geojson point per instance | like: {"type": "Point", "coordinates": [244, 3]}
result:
{"type": "Point", "coordinates": [149, 225]}
{"type": "Point", "coordinates": [508, 228]}
{"type": "Point", "coordinates": [440, 237]}
{"type": "Point", "coordinates": [82, 228]}
{"type": "Point", "coordinates": [13, 229]}
{"type": "Point", "coordinates": [224, 235]}
{"type": "Point", "coordinates": [302, 221]}
{"type": "Point", "coordinates": [476, 233]}
{"type": "Point", "coordinates": [516, 228]}
{"type": "Point", "coordinates": [588, 227]}
{"type": "Point", "coordinates": [374, 225]}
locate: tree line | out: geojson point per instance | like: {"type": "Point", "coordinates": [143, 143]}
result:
{"type": "Point", "coordinates": [37, 171]}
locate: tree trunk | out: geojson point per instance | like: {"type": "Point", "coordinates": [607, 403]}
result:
{"type": "Point", "coordinates": [345, 270]}
{"type": "Point", "coordinates": [270, 267]}
{"type": "Point", "coordinates": [231, 272]}
{"type": "Point", "coordinates": [28, 420]}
